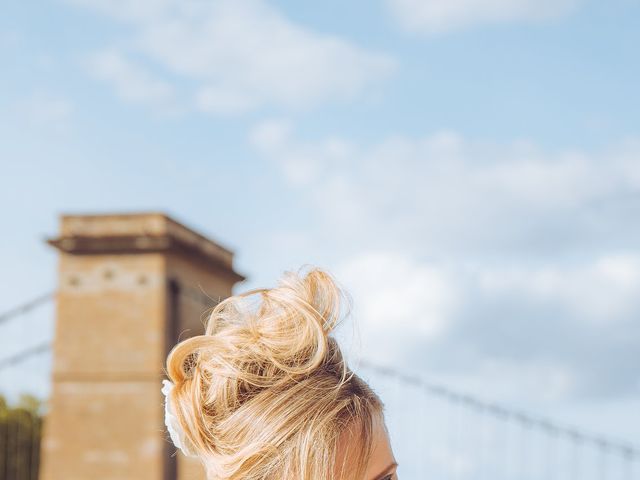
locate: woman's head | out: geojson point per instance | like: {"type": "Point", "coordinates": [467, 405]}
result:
{"type": "Point", "coordinates": [265, 393]}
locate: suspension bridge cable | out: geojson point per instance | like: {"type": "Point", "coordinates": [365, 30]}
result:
{"type": "Point", "coordinates": [501, 412]}
{"type": "Point", "coordinates": [24, 355]}
{"type": "Point", "coordinates": [26, 307]}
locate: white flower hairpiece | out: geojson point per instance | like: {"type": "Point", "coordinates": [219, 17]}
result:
{"type": "Point", "coordinates": [171, 421]}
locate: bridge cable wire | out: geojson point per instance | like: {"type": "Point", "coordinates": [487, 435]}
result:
{"type": "Point", "coordinates": [16, 312]}
{"type": "Point", "coordinates": [551, 429]}
{"type": "Point", "coordinates": [24, 355]}
{"type": "Point", "coordinates": [26, 307]}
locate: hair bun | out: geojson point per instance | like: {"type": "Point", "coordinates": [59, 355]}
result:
{"type": "Point", "coordinates": [289, 329]}
{"type": "Point", "coordinates": [247, 346]}
{"type": "Point", "coordinates": [293, 323]}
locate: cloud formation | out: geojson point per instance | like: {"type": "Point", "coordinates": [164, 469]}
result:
{"type": "Point", "coordinates": [441, 16]}
{"type": "Point", "coordinates": [478, 258]}
{"type": "Point", "coordinates": [130, 81]}
{"type": "Point", "coordinates": [229, 56]}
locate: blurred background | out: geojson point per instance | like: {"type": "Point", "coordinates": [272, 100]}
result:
{"type": "Point", "coordinates": [469, 170]}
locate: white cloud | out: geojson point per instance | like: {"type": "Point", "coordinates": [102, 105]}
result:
{"type": "Point", "coordinates": [393, 293]}
{"type": "Point", "coordinates": [272, 136]}
{"type": "Point", "coordinates": [235, 56]}
{"type": "Point", "coordinates": [224, 100]}
{"type": "Point", "coordinates": [461, 252]}
{"type": "Point", "coordinates": [301, 163]}
{"type": "Point", "coordinates": [445, 193]}
{"type": "Point", "coordinates": [439, 16]}
{"type": "Point", "coordinates": [130, 81]}
{"type": "Point", "coordinates": [606, 289]}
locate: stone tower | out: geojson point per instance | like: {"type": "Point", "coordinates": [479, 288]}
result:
{"type": "Point", "coordinates": [129, 286]}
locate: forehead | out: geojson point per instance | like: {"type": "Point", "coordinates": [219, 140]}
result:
{"type": "Point", "coordinates": [381, 454]}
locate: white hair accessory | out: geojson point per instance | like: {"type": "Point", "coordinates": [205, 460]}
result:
{"type": "Point", "coordinates": [171, 421]}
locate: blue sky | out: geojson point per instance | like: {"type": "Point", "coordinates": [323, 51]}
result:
{"type": "Point", "coordinates": [470, 169]}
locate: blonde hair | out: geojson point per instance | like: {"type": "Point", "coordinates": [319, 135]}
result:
{"type": "Point", "coordinates": [265, 393]}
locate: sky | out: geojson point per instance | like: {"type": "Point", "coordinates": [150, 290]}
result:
{"type": "Point", "coordinates": [468, 169]}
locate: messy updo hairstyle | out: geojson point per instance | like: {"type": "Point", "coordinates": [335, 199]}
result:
{"type": "Point", "coordinates": [265, 394]}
